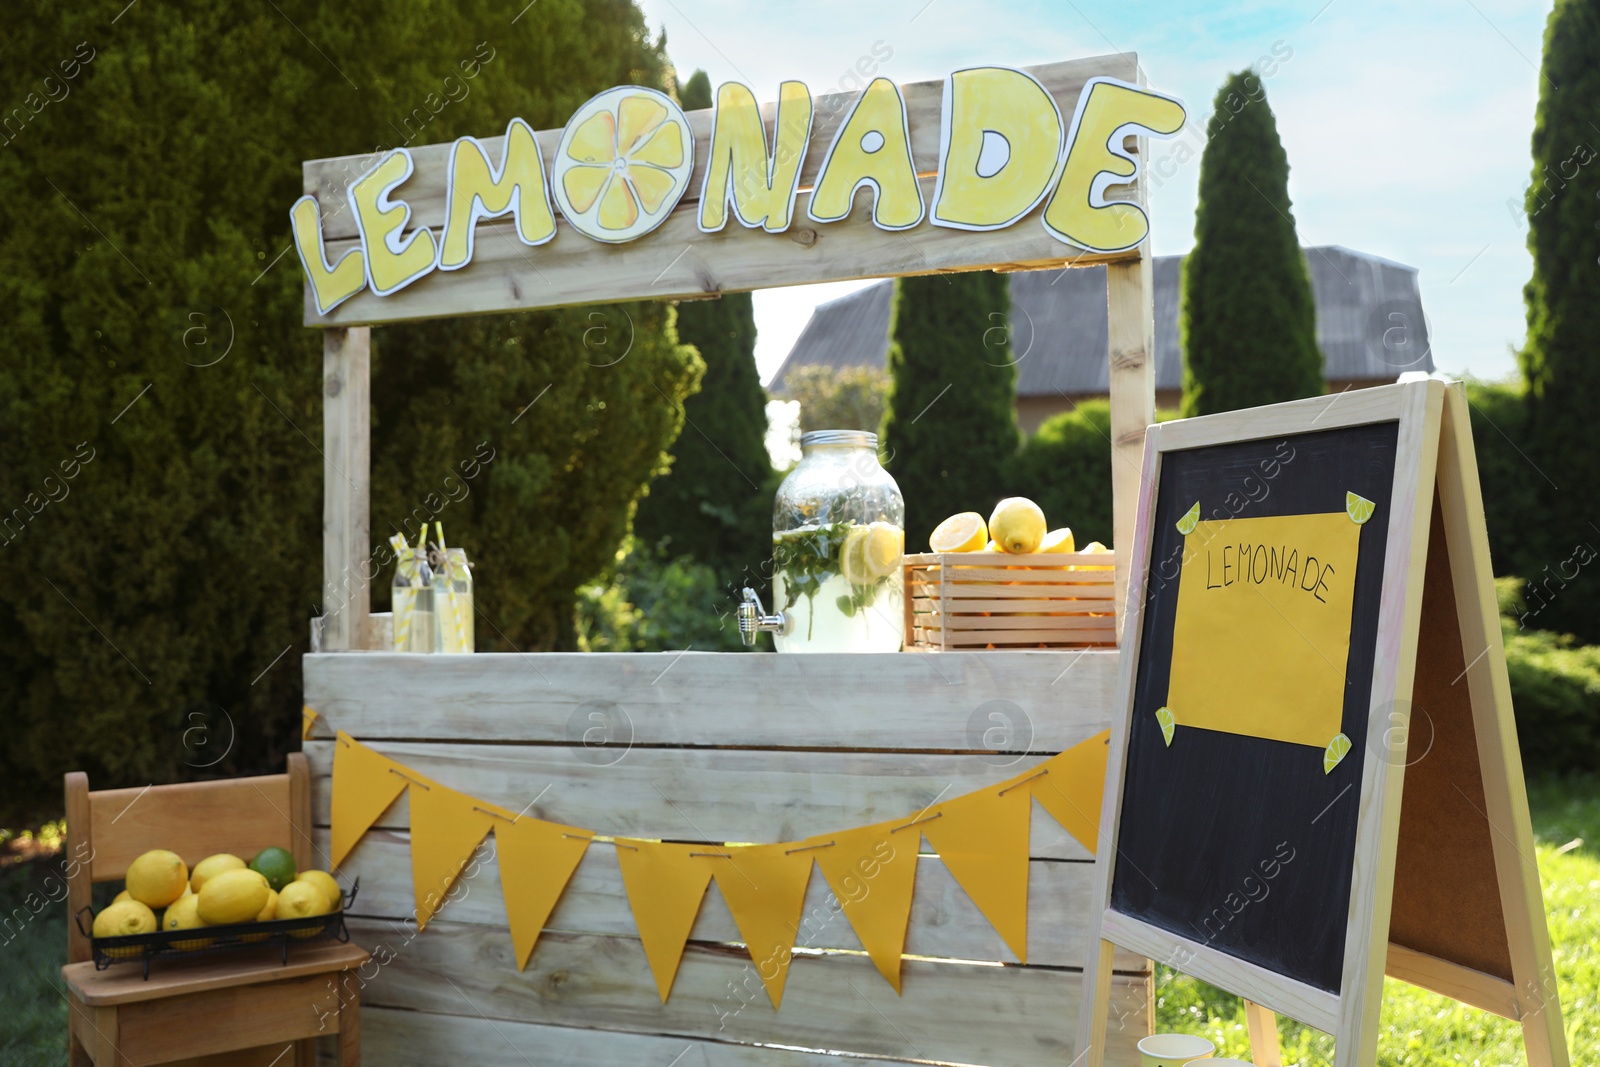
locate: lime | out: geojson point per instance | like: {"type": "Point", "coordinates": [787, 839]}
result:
{"type": "Point", "coordinates": [276, 865]}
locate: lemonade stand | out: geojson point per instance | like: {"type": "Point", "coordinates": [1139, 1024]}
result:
{"type": "Point", "coordinates": [536, 835]}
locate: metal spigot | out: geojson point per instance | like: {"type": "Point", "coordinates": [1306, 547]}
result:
{"type": "Point", "coordinates": [753, 619]}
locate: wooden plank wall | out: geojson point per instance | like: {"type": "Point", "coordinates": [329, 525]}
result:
{"type": "Point", "coordinates": [678, 261]}
{"type": "Point", "coordinates": [717, 747]}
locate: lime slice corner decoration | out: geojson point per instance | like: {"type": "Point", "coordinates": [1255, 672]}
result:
{"type": "Point", "coordinates": [1338, 749]}
{"type": "Point", "coordinates": [1168, 722]}
{"type": "Point", "coordinates": [1359, 508]}
{"type": "Point", "coordinates": [1190, 520]}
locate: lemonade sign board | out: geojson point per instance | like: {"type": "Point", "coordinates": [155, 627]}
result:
{"type": "Point", "coordinates": [1314, 776]}
{"type": "Point", "coordinates": [632, 198]}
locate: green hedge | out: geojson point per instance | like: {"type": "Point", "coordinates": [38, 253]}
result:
{"type": "Point", "coordinates": [1555, 689]}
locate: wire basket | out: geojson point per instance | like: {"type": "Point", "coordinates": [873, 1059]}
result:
{"type": "Point", "coordinates": [213, 940]}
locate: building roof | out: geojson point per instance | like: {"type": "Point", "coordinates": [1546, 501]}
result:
{"type": "Point", "coordinates": [1370, 325]}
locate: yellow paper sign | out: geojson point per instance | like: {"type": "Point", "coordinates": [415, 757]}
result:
{"type": "Point", "coordinates": [1262, 634]}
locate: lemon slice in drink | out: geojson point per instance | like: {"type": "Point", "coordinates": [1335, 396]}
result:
{"type": "Point", "coordinates": [966, 532]}
{"type": "Point", "coordinates": [623, 163]}
{"type": "Point", "coordinates": [884, 548]}
{"type": "Point", "coordinates": [853, 556]}
{"type": "Point", "coordinates": [1359, 508]}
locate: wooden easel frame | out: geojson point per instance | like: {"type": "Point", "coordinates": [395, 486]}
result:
{"type": "Point", "coordinates": [1434, 461]}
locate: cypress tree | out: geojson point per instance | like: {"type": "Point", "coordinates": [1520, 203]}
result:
{"type": "Point", "coordinates": [715, 503]}
{"type": "Point", "coordinates": [949, 425]}
{"type": "Point", "coordinates": [160, 397]}
{"type": "Point", "coordinates": [1248, 323]}
{"type": "Point", "coordinates": [1563, 298]}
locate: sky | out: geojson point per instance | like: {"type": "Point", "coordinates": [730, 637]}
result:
{"type": "Point", "coordinates": [1407, 125]}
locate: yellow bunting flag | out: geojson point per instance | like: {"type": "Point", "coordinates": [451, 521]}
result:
{"type": "Point", "coordinates": [665, 885]}
{"type": "Point", "coordinates": [446, 829]}
{"type": "Point", "coordinates": [537, 859]}
{"type": "Point", "coordinates": [1072, 790]}
{"type": "Point", "coordinates": [364, 785]}
{"type": "Point", "coordinates": [308, 719]}
{"type": "Point", "coordinates": [872, 871]}
{"type": "Point", "coordinates": [765, 887]}
{"type": "Point", "coordinates": [983, 839]}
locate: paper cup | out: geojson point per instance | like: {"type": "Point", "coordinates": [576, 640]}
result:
{"type": "Point", "coordinates": [1174, 1050]}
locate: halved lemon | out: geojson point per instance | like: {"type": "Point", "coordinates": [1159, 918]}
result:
{"type": "Point", "coordinates": [965, 532]}
{"type": "Point", "coordinates": [1359, 508]}
{"type": "Point", "coordinates": [623, 163]}
{"type": "Point", "coordinates": [1058, 541]}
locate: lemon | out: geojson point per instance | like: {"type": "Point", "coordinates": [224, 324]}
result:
{"type": "Point", "coordinates": [303, 900]}
{"type": "Point", "coordinates": [1058, 541]}
{"type": "Point", "coordinates": [1359, 508]}
{"type": "Point", "coordinates": [276, 865]}
{"type": "Point", "coordinates": [992, 547]}
{"type": "Point", "coordinates": [324, 881]}
{"type": "Point", "coordinates": [123, 920]}
{"type": "Point", "coordinates": [157, 878]}
{"type": "Point", "coordinates": [885, 546]}
{"type": "Point", "coordinates": [853, 556]}
{"type": "Point", "coordinates": [623, 163]}
{"type": "Point", "coordinates": [212, 866]}
{"type": "Point", "coordinates": [235, 896]}
{"type": "Point", "coordinates": [184, 914]}
{"type": "Point", "coordinates": [966, 532]}
{"type": "Point", "coordinates": [120, 897]}
{"type": "Point", "coordinates": [1190, 520]}
{"type": "Point", "coordinates": [269, 911]}
{"type": "Point", "coordinates": [1017, 525]}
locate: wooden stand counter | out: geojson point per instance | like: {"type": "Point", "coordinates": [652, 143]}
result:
{"type": "Point", "coordinates": [717, 747]}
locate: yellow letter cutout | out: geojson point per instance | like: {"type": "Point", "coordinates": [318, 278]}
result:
{"type": "Point", "coordinates": [760, 187]}
{"type": "Point", "coordinates": [477, 190]}
{"type": "Point", "coordinates": [999, 144]}
{"type": "Point", "coordinates": [872, 148]}
{"type": "Point", "coordinates": [1108, 111]}
{"type": "Point", "coordinates": [393, 262]}
{"type": "Point", "coordinates": [330, 285]}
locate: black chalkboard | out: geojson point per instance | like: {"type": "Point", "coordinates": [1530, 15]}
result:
{"type": "Point", "coordinates": [1241, 843]}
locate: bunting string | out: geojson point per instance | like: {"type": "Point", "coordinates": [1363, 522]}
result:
{"type": "Point", "coordinates": [981, 836]}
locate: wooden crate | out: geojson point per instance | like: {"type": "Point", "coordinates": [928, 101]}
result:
{"type": "Point", "coordinates": [981, 600]}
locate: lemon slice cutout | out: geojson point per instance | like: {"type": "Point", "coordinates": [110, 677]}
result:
{"type": "Point", "coordinates": [623, 163]}
{"type": "Point", "coordinates": [1190, 520]}
{"type": "Point", "coordinates": [1338, 749]}
{"type": "Point", "coordinates": [964, 532]}
{"type": "Point", "coordinates": [1359, 508]}
{"type": "Point", "coordinates": [1169, 724]}
{"type": "Point", "coordinates": [885, 546]}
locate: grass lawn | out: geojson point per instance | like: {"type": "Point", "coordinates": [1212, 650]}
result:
{"type": "Point", "coordinates": [1421, 1030]}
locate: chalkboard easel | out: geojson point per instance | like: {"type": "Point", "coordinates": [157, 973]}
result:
{"type": "Point", "coordinates": [1315, 778]}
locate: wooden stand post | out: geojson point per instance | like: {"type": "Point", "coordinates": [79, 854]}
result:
{"type": "Point", "coordinates": [1130, 330]}
{"type": "Point", "coordinates": [346, 505]}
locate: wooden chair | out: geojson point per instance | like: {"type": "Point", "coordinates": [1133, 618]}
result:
{"type": "Point", "coordinates": [241, 1007]}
